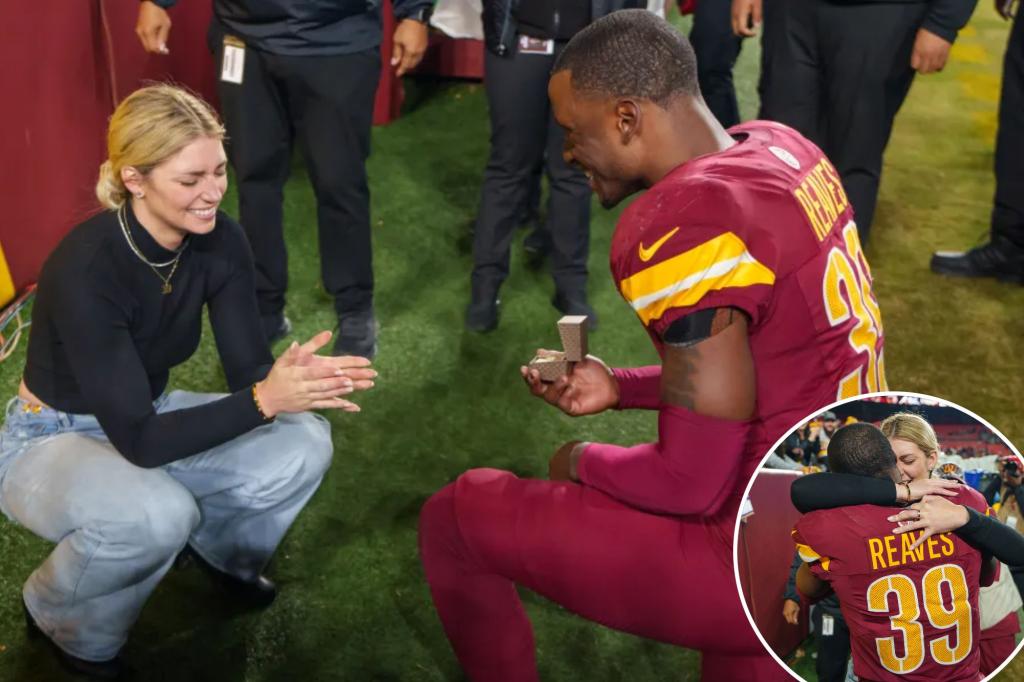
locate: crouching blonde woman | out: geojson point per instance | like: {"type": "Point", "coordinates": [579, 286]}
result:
{"type": "Point", "coordinates": [96, 455]}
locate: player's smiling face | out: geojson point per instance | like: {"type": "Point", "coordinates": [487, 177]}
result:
{"type": "Point", "coordinates": [595, 142]}
{"type": "Point", "coordinates": [914, 463]}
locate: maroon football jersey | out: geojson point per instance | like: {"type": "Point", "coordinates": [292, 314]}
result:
{"type": "Point", "coordinates": [912, 614]}
{"type": "Point", "coordinates": [765, 227]}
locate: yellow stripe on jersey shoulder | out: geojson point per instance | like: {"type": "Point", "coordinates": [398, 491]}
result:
{"type": "Point", "coordinates": [810, 556]}
{"type": "Point", "coordinates": [720, 263]}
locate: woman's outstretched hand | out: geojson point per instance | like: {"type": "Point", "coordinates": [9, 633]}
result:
{"type": "Point", "coordinates": [301, 380]}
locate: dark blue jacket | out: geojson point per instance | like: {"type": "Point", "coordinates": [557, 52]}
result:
{"type": "Point", "coordinates": [500, 28]}
{"type": "Point", "coordinates": [304, 27]}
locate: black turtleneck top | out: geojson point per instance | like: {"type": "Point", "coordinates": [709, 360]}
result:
{"type": "Point", "coordinates": [104, 336]}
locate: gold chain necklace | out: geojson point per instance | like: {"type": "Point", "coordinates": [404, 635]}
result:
{"type": "Point", "coordinates": [166, 288]}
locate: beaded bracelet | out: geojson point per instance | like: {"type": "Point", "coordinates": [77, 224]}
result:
{"type": "Point", "coordinates": [259, 408]}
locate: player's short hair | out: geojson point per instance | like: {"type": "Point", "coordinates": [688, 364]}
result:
{"type": "Point", "coordinates": [631, 53]}
{"type": "Point", "coordinates": [862, 449]}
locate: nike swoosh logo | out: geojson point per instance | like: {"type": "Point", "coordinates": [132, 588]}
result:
{"type": "Point", "coordinates": [648, 253]}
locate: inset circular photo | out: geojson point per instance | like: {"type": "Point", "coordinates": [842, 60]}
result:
{"type": "Point", "coordinates": [875, 544]}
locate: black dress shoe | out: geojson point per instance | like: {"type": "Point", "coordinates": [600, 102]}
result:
{"type": "Point", "coordinates": [575, 303]}
{"type": "Point", "coordinates": [357, 334]}
{"type": "Point", "coordinates": [276, 327]}
{"type": "Point", "coordinates": [100, 670]}
{"type": "Point", "coordinates": [259, 593]}
{"type": "Point", "coordinates": [997, 259]}
{"type": "Point", "coordinates": [482, 311]}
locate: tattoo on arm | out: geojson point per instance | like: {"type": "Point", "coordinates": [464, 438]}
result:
{"type": "Point", "coordinates": [708, 375]}
{"type": "Point", "coordinates": [677, 378]}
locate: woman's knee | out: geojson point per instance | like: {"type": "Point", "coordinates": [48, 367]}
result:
{"type": "Point", "coordinates": [311, 437]}
{"type": "Point", "coordinates": [297, 452]}
{"type": "Point", "coordinates": [164, 519]}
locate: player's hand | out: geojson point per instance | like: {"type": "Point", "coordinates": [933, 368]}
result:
{"type": "Point", "coordinates": [928, 486]}
{"type": "Point", "coordinates": [410, 44]}
{"type": "Point", "coordinates": [152, 27]}
{"type": "Point", "coordinates": [791, 611]}
{"type": "Point", "coordinates": [746, 17]}
{"type": "Point", "coordinates": [933, 515]}
{"type": "Point", "coordinates": [588, 388]}
{"type": "Point", "coordinates": [562, 465]}
{"type": "Point", "coordinates": [930, 52]}
{"type": "Point", "coordinates": [300, 380]}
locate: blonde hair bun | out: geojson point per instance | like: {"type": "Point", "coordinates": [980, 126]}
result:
{"type": "Point", "coordinates": [148, 127]}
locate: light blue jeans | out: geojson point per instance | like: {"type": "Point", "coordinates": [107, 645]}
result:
{"type": "Point", "coordinates": [119, 527]}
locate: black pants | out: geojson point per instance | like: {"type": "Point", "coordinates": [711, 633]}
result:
{"type": "Point", "coordinates": [717, 48]}
{"type": "Point", "coordinates": [1008, 210]}
{"type": "Point", "coordinates": [522, 129]}
{"type": "Point", "coordinates": [833, 650]}
{"type": "Point", "coordinates": [325, 103]}
{"type": "Point", "coordinates": [839, 73]}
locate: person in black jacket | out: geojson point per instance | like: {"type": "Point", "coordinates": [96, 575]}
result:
{"type": "Point", "coordinates": [306, 72]}
{"type": "Point", "coordinates": [839, 70]}
{"type": "Point", "coordinates": [1002, 256]}
{"type": "Point", "coordinates": [717, 48]}
{"type": "Point", "coordinates": [523, 39]}
{"type": "Point", "coordinates": [95, 456]}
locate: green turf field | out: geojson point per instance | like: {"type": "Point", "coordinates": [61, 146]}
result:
{"type": "Point", "coordinates": [353, 604]}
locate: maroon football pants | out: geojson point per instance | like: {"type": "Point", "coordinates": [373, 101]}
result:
{"type": "Point", "coordinates": [661, 577]}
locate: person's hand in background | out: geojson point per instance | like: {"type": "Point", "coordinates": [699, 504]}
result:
{"type": "Point", "coordinates": [153, 27]}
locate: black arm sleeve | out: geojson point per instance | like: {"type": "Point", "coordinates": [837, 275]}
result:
{"type": "Point", "coordinates": [991, 536]}
{"type": "Point", "coordinates": [827, 491]}
{"type": "Point", "coordinates": [945, 18]}
{"type": "Point", "coordinates": [790, 591]}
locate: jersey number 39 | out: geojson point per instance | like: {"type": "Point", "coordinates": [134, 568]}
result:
{"type": "Point", "coordinates": [847, 271]}
{"type": "Point", "coordinates": [947, 650]}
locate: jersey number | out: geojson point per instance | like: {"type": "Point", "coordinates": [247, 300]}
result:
{"type": "Point", "coordinates": [848, 271]}
{"type": "Point", "coordinates": [908, 613]}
